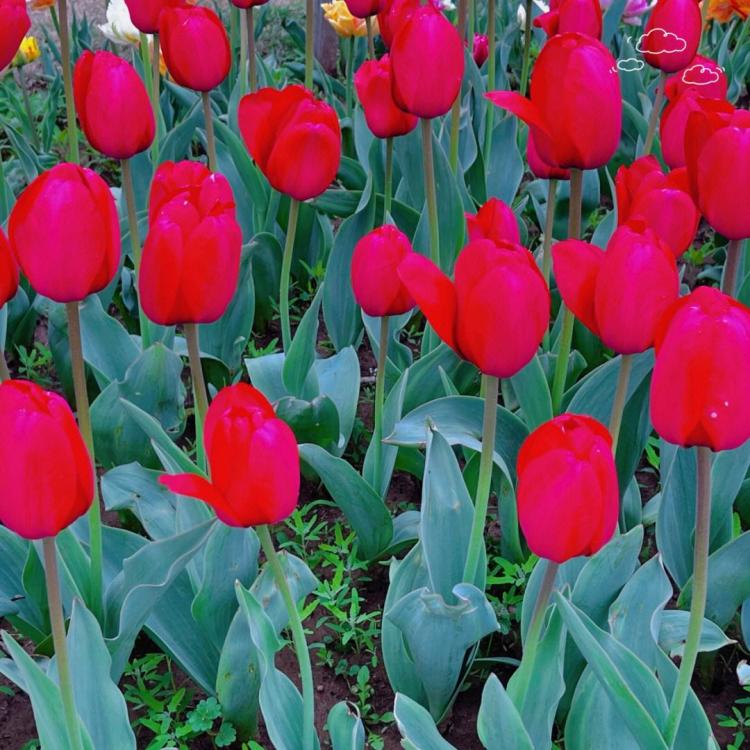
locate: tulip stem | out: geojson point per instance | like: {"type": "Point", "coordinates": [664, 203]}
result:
{"type": "Point", "coordinates": [57, 620]}
{"type": "Point", "coordinates": [286, 272]}
{"type": "Point", "coordinates": [549, 226]}
{"type": "Point", "coordinates": [200, 394]}
{"type": "Point", "coordinates": [653, 118]}
{"type": "Point", "coordinates": [309, 31]}
{"type": "Point", "coordinates": [4, 371]}
{"type": "Point", "coordinates": [566, 334]}
{"type": "Point", "coordinates": [27, 107]}
{"type": "Point", "coordinates": [349, 76]}
{"type": "Point", "coordinates": [698, 603]}
{"type": "Point", "coordinates": [155, 94]}
{"type": "Point", "coordinates": [135, 247]}
{"type": "Point", "coordinates": [731, 267]}
{"type": "Point", "coordinates": [67, 72]}
{"type": "Point", "coordinates": [456, 109]}
{"type": "Point", "coordinates": [490, 118]}
{"type": "Point", "coordinates": [146, 64]}
{"type": "Point", "coordinates": [251, 72]}
{"type": "Point", "coordinates": [526, 49]}
{"type": "Point", "coordinates": [476, 540]}
{"type": "Point", "coordinates": [210, 136]}
{"type": "Point", "coordinates": [370, 38]}
{"type": "Point", "coordinates": [298, 636]}
{"type": "Point", "coordinates": [84, 423]}
{"type": "Point", "coordinates": [377, 435]}
{"type": "Point", "coordinates": [242, 75]}
{"type": "Point", "coordinates": [388, 188]}
{"type": "Point", "coordinates": [621, 394]}
{"type": "Point", "coordinates": [430, 190]}
{"type": "Point", "coordinates": [471, 21]}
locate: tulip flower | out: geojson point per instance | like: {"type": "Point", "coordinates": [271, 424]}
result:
{"type": "Point", "coordinates": [119, 28]}
{"type": "Point", "coordinates": [145, 14]}
{"type": "Point", "coordinates": [481, 49]}
{"type": "Point", "coordinates": [247, 40]}
{"type": "Point", "coordinates": [663, 202]}
{"type": "Point", "coordinates": [14, 23]}
{"type": "Point", "coordinates": [634, 9]}
{"type": "Point", "coordinates": [104, 82]}
{"type": "Point", "coordinates": [28, 51]}
{"type": "Point", "coordinates": [699, 398]}
{"type": "Point", "coordinates": [8, 287]}
{"type": "Point", "coordinates": [364, 8]}
{"type": "Point", "coordinates": [724, 10]}
{"type": "Point", "coordinates": [672, 34]}
{"type": "Point", "coordinates": [542, 169]}
{"type": "Point", "coordinates": [396, 12]}
{"type": "Point", "coordinates": [584, 16]}
{"type": "Point", "coordinates": [295, 139]}
{"type": "Point", "coordinates": [494, 221]}
{"type": "Point", "coordinates": [342, 21]}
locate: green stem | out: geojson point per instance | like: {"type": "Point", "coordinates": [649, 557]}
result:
{"type": "Point", "coordinates": [471, 23]}
{"type": "Point", "coordinates": [251, 72]}
{"type": "Point", "coordinates": [370, 38]}
{"type": "Point", "coordinates": [698, 603]}
{"type": "Point", "coordinates": [210, 137]}
{"type": "Point", "coordinates": [57, 620]}
{"type": "Point", "coordinates": [298, 636]}
{"type": "Point", "coordinates": [27, 107]}
{"type": "Point", "coordinates": [4, 371]}
{"type": "Point", "coordinates": [526, 49]}
{"type": "Point", "coordinates": [309, 31]}
{"type": "Point", "coordinates": [653, 118]}
{"type": "Point", "coordinates": [286, 272]}
{"type": "Point", "coordinates": [349, 75]}
{"type": "Point", "coordinates": [549, 225]}
{"type": "Point", "coordinates": [490, 117]}
{"type": "Point", "coordinates": [67, 71]}
{"type": "Point", "coordinates": [146, 63]}
{"type": "Point", "coordinates": [456, 108]}
{"type": "Point", "coordinates": [388, 189]}
{"type": "Point", "coordinates": [476, 540]}
{"type": "Point", "coordinates": [430, 190]}
{"type": "Point", "coordinates": [377, 434]}
{"type": "Point", "coordinates": [155, 81]}
{"type": "Point", "coordinates": [731, 267]}
{"type": "Point", "coordinates": [242, 74]}
{"type": "Point", "coordinates": [55, 20]}
{"type": "Point", "coordinates": [621, 394]}
{"type": "Point", "coordinates": [135, 246]}
{"type": "Point", "coordinates": [192, 337]}
{"type": "Point", "coordinates": [84, 423]}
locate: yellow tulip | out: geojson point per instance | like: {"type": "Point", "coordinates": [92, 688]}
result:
{"type": "Point", "coordinates": [343, 22]}
{"type": "Point", "coordinates": [28, 51]}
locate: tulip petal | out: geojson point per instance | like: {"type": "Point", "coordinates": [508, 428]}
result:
{"type": "Point", "coordinates": [521, 107]}
{"type": "Point", "coordinates": [193, 485]}
{"type": "Point", "coordinates": [576, 265]}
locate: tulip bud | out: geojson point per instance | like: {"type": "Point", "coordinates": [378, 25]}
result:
{"type": "Point", "coordinates": [28, 51]}
{"type": "Point", "coordinates": [294, 138]}
{"type": "Point", "coordinates": [672, 35]}
{"type": "Point", "coordinates": [375, 280]}
{"type": "Point", "coordinates": [191, 257]}
{"type": "Point", "coordinates": [481, 50]}
{"type": "Point", "coordinates": [245, 4]}
{"type": "Point", "coordinates": [145, 14]}
{"type": "Point", "coordinates": [583, 16]}
{"type": "Point", "coordinates": [195, 45]}
{"type": "Point", "coordinates": [65, 233]}
{"type": "Point", "coordinates": [373, 84]}
{"type": "Point", "coordinates": [494, 221]}
{"type": "Point", "coordinates": [47, 481]}
{"type": "Point", "coordinates": [568, 497]}
{"type": "Point", "coordinates": [427, 63]}
{"type": "Point", "coordinates": [540, 168]}
{"type": "Point", "coordinates": [253, 457]}
{"type": "Point", "coordinates": [104, 82]}
{"type": "Point", "coordinates": [364, 8]}
{"type": "Point", "coordinates": [494, 314]}
{"type": "Point", "coordinates": [701, 379]}
{"type": "Point", "coordinates": [394, 13]}
{"type": "Point", "coordinates": [14, 23]}
{"type": "Point", "coordinates": [576, 118]}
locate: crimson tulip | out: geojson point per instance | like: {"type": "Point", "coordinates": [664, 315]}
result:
{"type": "Point", "coordinates": [495, 312]}
{"type": "Point", "coordinates": [672, 35]}
{"type": "Point", "coordinates": [253, 458]}
{"type": "Point", "coordinates": [701, 379]}
{"type": "Point", "coordinates": [542, 169]}
{"type": "Point", "coordinates": [14, 23]}
{"type": "Point", "coordinates": [427, 63]}
{"type": "Point", "coordinates": [364, 8]}
{"type": "Point", "coordinates": [191, 257]}
{"type": "Point", "coordinates": [8, 271]}
{"type": "Point", "coordinates": [245, 4]}
{"type": "Point", "coordinates": [65, 233]}
{"type": "Point", "coordinates": [396, 12]}
{"type": "Point", "coordinates": [145, 14]}
{"type": "Point", "coordinates": [104, 82]}
{"type": "Point", "coordinates": [494, 221]}
{"type": "Point", "coordinates": [568, 497]}
{"type": "Point", "coordinates": [195, 45]}
{"type": "Point", "coordinates": [377, 287]}
{"type": "Point", "coordinates": [703, 76]}
{"type": "Point", "coordinates": [47, 481]}
{"type": "Point", "coordinates": [662, 201]}
{"type": "Point", "coordinates": [584, 16]}
{"type": "Point", "coordinates": [481, 49]}
{"type": "Point", "coordinates": [373, 83]}
{"type": "Point", "coordinates": [294, 138]}
{"type": "Point", "coordinates": [621, 294]}
{"type": "Point", "coordinates": [575, 110]}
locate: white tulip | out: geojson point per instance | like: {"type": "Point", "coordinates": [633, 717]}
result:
{"type": "Point", "coordinates": [119, 28]}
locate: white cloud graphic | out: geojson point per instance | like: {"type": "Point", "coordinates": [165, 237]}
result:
{"type": "Point", "coordinates": [700, 75]}
{"type": "Point", "coordinates": [630, 65]}
{"type": "Point", "coordinates": [661, 42]}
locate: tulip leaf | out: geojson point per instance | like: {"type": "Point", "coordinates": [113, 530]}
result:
{"type": "Point", "coordinates": [301, 355]}
{"type": "Point", "coordinates": [505, 165]}
{"type": "Point", "coordinates": [417, 726]}
{"type": "Point", "coordinates": [612, 17]}
{"type": "Point", "coordinates": [13, 552]}
{"type": "Point", "coordinates": [345, 727]}
{"type": "Point", "coordinates": [315, 421]}
{"type": "Point", "coordinates": [673, 633]}
{"type": "Point", "coordinates": [532, 391]}
{"type": "Point", "coordinates": [499, 725]}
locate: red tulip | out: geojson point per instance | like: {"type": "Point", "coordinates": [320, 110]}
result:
{"type": "Point", "coordinates": [583, 16]}
{"type": "Point", "coordinates": [542, 169]}
{"type": "Point", "coordinates": [481, 50]}
{"type": "Point", "coordinates": [254, 461]}
{"type": "Point", "coordinates": [427, 63]}
{"type": "Point", "coordinates": [703, 77]}
{"type": "Point", "coordinates": [191, 257]}
{"type": "Point", "coordinates": [47, 481]}
{"type": "Point", "coordinates": [568, 496]}
{"type": "Point", "coordinates": [195, 45]}
{"type": "Point", "coordinates": [701, 380]}
{"type": "Point", "coordinates": [575, 110]}
{"type": "Point", "coordinates": [294, 138]}
{"type": "Point", "coordinates": [622, 293]}
{"type": "Point", "coordinates": [373, 84]}
{"type": "Point", "coordinates": [65, 233]}
{"type": "Point", "coordinates": [8, 271]}
{"type": "Point", "coordinates": [494, 221]}
{"type": "Point", "coordinates": [396, 12]}
{"type": "Point", "coordinates": [105, 83]}
{"type": "Point", "coordinates": [496, 311]}
{"type": "Point", "coordinates": [375, 281]}
{"type": "Point", "coordinates": [245, 4]}
{"type": "Point", "coordinates": [672, 35]}
{"type": "Point", "coordinates": [662, 201]}
{"type": "Point", "coordinates": [14, 23]}
{"type": "Point", "coordinates": [145, 14]}
{"type": "Point", "coordinates": [364, 8]}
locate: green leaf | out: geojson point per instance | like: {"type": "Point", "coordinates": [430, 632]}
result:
{"type": "Point", "coordinates": [301, 356]}
{"type": "Point", "coordinates": [505, 165]}
{"type": "Point", "coordinates": [315, 421]}
{"type": "Point", "coordinates": [417, 727]}
{"type": "Point", "coordinates": [532, 391]}
{"type": "Point", "coordinates": [499, 724]}
{"type": "Point", "coordinates": [345, 727]}
{"type": "Point", "coordinates": [673, 633]}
